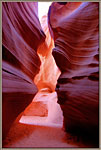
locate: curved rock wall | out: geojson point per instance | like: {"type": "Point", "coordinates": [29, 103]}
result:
{"type": "Point", "coordinates": [49, 72]}
{"type": "Point", "coordinates": [76, 33]}
{"type": "Point", "coordinates": [21, 36]}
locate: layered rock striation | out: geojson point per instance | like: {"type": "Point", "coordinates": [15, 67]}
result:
{"type": "Point", "coordinates": [75, 29]}
{"type": "Point", "coordinates": [49, 72]}
{"type": "Point", "coordinates": [21, 36]}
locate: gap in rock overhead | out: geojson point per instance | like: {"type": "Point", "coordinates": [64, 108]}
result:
{"type": "Point", "coordinates": [43, 9]}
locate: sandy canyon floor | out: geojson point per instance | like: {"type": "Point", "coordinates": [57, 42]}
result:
{"type": "Point", "coordinates": [41, 126]}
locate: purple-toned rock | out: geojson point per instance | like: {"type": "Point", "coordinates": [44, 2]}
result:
{"type": "Point", "coordinates": [75, 29]}
{"type": "Point", "coordinates": [21, 36]}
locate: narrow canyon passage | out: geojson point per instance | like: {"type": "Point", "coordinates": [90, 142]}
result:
{"type": "Point", "coordinates": [50, 74]}
{"type": "Point", "coordinates": [41, 125]}
{"type": "Point", "coordinates": [43, 118]}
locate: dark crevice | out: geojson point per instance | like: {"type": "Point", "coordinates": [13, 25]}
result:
{"type": "Point", "coordinates": [62, 3]}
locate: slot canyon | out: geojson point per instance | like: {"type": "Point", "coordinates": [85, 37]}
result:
{"type": "Point", "coordinates": [50, 75]}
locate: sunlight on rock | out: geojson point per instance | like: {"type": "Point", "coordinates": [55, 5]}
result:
{"type": "Point", "coordinates": [46, 101]}
{"type": "Point", "coordinates": [50, 74]}
{"type": "Point", "coordinates": [44, 109]}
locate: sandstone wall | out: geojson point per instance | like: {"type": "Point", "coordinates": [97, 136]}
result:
{"type": "Point", "coordinates": [21, 36]}
{"type": "Point", "coordinates": [49, 72]}
{"type": "Point", "coordinates": [75, 29]}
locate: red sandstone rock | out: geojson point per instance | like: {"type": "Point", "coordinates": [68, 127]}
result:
{"type": "Point", "coordinates": [36, 109]}
{"type": "Point", "coordinates": [49, 72]}
{"type": "Point", "coordinates": [22, 35]}
{"type": "Point", "coordinates": [75, 28]}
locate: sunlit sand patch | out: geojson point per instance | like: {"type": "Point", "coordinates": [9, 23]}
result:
{"type": "Point", "coordinates": [43, 111]}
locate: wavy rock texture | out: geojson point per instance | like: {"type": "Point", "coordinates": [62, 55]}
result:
{"type": "Point", "coordinates": [49, 72]}
{"type": "Point", "coordinates": [22, 35]}
{"type": "Point", "coordinates": [75, 28]}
